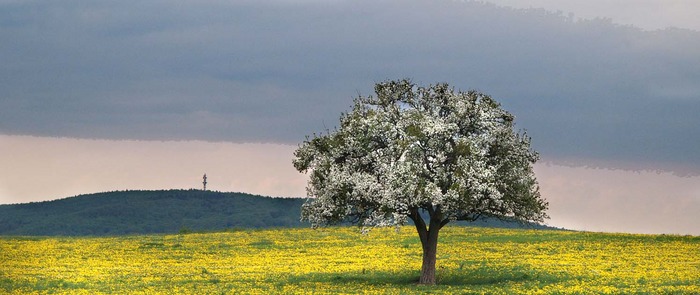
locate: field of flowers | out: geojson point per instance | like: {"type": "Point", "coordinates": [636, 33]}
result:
{"type": "Point", "coordinates": [341, 260]}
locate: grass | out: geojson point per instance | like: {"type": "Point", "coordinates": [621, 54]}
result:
{"type": "Point", "coordinates": [341, 260]}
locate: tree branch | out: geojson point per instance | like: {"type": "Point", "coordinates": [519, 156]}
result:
{"type": "Point", "coordinates": [431, 210]}
{"type": "Point", "coordinates": [420, 225]}
{"type": "Point", "coordinates": [470, 217]}
{"type": "Point", "coordinates": [436, 219]}
{"type": "Point", "coordinates": [444, 222]}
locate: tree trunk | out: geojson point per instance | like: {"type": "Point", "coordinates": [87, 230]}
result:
{"type": "Point", "coordinates": [427, 274]}
{"type": "Point", "coordinates": [429, 240]}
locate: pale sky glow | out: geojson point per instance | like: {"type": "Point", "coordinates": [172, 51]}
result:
{"type": "Point", "coordinates": [620, 200]}
{"type": "Point", "coordinates": [40, 168]}
{"type": "Point", "coordinates": [115, 95]}
{"type": "Point", "coordinates": [580, 198]}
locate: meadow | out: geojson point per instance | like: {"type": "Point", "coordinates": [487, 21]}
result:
{"type": "Point", "coordinates": [342, 260]}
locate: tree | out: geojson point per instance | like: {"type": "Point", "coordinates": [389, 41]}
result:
{"type": "Point", "coordinates": [411, 150]}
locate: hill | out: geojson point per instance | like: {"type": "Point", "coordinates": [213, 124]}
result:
{"type": "Point", "coordinates": [164, 211]}
{"type": "Point", "coordinates": [138, 212]}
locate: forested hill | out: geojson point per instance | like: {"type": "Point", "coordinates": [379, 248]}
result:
{"type": "Point", "coordinates": [135, 212]}
{"type": "Point", "coordinates": [166, 211]}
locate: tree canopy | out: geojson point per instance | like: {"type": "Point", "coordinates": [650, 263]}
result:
{"type": "Point", "coordinates": [411, 149]}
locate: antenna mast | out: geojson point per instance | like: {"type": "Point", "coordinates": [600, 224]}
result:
{"type": "Point", "coordinates": [205, 181]}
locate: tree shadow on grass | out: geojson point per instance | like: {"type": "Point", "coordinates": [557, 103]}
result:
{"type": "Point", "coordinates": [490, 275]}
{"type": "Point", "coordinates": [482, 276]}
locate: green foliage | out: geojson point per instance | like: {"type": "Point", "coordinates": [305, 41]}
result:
{"type": "Point", "coordinates": [453, 154]}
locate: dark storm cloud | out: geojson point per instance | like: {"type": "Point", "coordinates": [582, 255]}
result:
{"type": "Point", "coordinates": [247, 71]}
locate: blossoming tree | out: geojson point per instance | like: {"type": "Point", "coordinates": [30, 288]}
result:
{"type": "Point", "coordinates": [413, 152]}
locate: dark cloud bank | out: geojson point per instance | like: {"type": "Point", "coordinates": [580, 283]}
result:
{"type": "Point", "coordinates": [247, 71]}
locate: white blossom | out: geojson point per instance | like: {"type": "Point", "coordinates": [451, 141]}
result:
{"type": "Point", "coordinates": [455, 154]}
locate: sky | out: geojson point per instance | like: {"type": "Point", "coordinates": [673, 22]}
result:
{"type": "Point", "coordinates": [115, 95]}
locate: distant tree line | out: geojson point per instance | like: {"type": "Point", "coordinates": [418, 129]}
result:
{"type": "Point", "coordinates": [163, 211]}
{"type": "Point", "coordinates": [137, 212]}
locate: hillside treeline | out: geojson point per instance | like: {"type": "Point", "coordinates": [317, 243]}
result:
{"type": "Point", "coordinates": [138, 212]}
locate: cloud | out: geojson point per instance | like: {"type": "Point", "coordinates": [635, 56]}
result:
{"type": "Point", "coordinates": [251, 71]}
{"type": "Point", "coordinates": [647, 14]}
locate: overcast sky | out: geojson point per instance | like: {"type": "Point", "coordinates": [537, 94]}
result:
{"type": "Point", "coordinates": [618, 94]}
